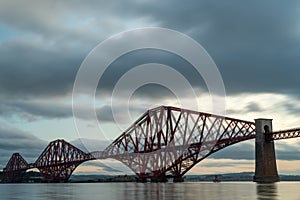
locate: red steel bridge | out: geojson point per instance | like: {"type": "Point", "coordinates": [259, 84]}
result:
{"type": "Point", "coordinates": [165, 142]}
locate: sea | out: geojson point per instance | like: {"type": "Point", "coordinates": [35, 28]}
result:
{"type": "Point", "coordinates": [151, 191]}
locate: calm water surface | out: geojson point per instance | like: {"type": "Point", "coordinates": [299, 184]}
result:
{"type": "Point", "coordinates": [151, 191]}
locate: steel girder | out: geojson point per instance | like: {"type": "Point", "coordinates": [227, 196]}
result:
{"type": "Point", "coordinates": [168, 141]}
{"type": "Point", "coordinates": [164, 142]}
{"type": "Point", "coordinates": [283, 134]}
{"type": "Point", "coordinates": [15, 168]}
{"type": "Point", "coordinates": [59, 160]}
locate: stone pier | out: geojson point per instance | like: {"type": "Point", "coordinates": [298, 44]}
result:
{"type": "Point", "coordinates": [265, 159]}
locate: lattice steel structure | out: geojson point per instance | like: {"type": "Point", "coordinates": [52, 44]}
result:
{"type": "Point", "coordinates": [15, 168]}
{"type": "Point", "coordinates": [167, 141]}
{"type": "Point", "coordinates": [59, 160]}
{"type": "Point", "coordinates": [283, 134]}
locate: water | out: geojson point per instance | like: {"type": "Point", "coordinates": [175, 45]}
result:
{"type": "Point", "coordinates": [151, 191]}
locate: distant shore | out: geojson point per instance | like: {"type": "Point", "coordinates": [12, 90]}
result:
{"type": "Point", "coordinates": [35, 177]}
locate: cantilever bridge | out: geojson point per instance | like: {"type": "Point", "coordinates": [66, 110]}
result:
{"type": "Point", "coordinates": [165, 142]}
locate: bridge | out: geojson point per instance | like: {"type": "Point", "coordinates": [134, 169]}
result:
{"type": "Point", "coordinates": [165, 142]}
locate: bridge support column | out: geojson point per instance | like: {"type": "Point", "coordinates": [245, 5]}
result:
{"type": "Point", "coordinates": [15, 176]}
{"type": "Point", "coordinates": [178, 179]}
{"type": "Point", "coordinates": [265, 160]}
{"type": "Point", "coordinates": [159, 179]}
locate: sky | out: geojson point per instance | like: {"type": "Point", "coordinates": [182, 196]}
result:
{"type": "Point", "coordinates": [254, 44]}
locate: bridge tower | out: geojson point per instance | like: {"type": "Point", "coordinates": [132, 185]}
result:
{"type": "Point", "coordinates": [59, 160]}
{"type": "Point", "coordinates": [15, 168]}
{"type": "Point", "coordinates": [265, 159]}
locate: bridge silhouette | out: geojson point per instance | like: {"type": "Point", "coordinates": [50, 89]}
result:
{"type": "Point", "coordinates": [165, 142]}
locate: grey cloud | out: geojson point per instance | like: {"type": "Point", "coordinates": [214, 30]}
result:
{"type": "Point", "coordinates": [45, 110]}
{"type": "Point", "coordinates": [110, 169]}
{"type": "Point", "coordinates": [36, 71]}
{"type": "Point", "coordinates": [56, 20]}
{"type": "Point", "coordinates": [31, 111]}
{"type": "Point", "coordinates": [56, 109]}
{"type": "Point", "coordinates": [247, 47]}
{"type": "Point", "coordinates": [253, 45]}
{"type": "Point", "coordinates": [139, 57]}
{"type": "Point", "coordinates": [286, 151]}
{"type": "Point", "coordinates": [253, 107]}
{"type": "Point", "coordinates": [246, 151]}
{"type": "Point", "coordinates": [250, 107]}
{"type": "Point", "coordinates": [105, 114]}
{"type": "Point", "coordinates": [14, 140]}
{"type": "Point", "coordinates": [287, 155]}
{"type": "Point", "coordinates": [9, 133]}
{"type": "Point", "coordinates": [293, 109]}
{"type": "Point", "coordinates": [243, 150]}
{"type": "Point", "coordinates": [224, 164]}
{"type": "Point", "coordinates": [89, 145]}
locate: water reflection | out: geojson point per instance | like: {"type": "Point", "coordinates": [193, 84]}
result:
{"type": "Point", "coordinates": [151, 191]}
{"type": "Point", "coordinates": [266, 191]}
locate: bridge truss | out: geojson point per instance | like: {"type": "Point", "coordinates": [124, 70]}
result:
{"type": "Point", "coordinates": [59, 160]}
{"type": "Point", "coordinates": [15, 168]}
{"type": "Point", "coordinates": [165, 142]}
{"type": "Point", "coordinates": [283, 134]}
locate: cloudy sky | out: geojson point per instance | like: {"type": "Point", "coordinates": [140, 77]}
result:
{"type": "Point", "coordinates": [254, 44]}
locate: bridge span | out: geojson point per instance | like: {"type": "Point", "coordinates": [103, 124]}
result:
{"type": "Point", "coordinates": [165, 142]}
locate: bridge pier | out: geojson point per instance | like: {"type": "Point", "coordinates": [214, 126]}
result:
{"type": "Point", "coordinates": [159, 179]}
{"type": "Point", "coordinates": [265, 159]}
{"type": "Point", "coordinates": [178, 179]}
{"type": "Point", "coordinates": [15, 176]}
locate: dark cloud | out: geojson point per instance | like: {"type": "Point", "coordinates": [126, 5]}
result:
{"type": "Point", "coordinates": [105, 114]}
{"type": "Point", "coordinates": [139, 57]}
{"type": "Point", "coordinates": [37, 71]}
{"type": "Point", "coordinates": [255, 44]}
{"type": "Point", "coordinates": [286, 151]}
{"type": "Point", "coordinates": [243, 150]}
{"type": "Point", "coordinates": [119, 114]}
{"type": "Point", "coordinates": [14, 140]}
{"type": "Point", "coordinates": [35, 110]}
{"type": "Point", "coordinates": [57, 21]}
{"type": "Point", "coordinates": [246, 151]}
{"type": "Point", "coordinates": [255, 48]}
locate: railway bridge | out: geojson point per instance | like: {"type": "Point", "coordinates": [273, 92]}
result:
{"type": "Point", "coordinates": [165, 142]}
